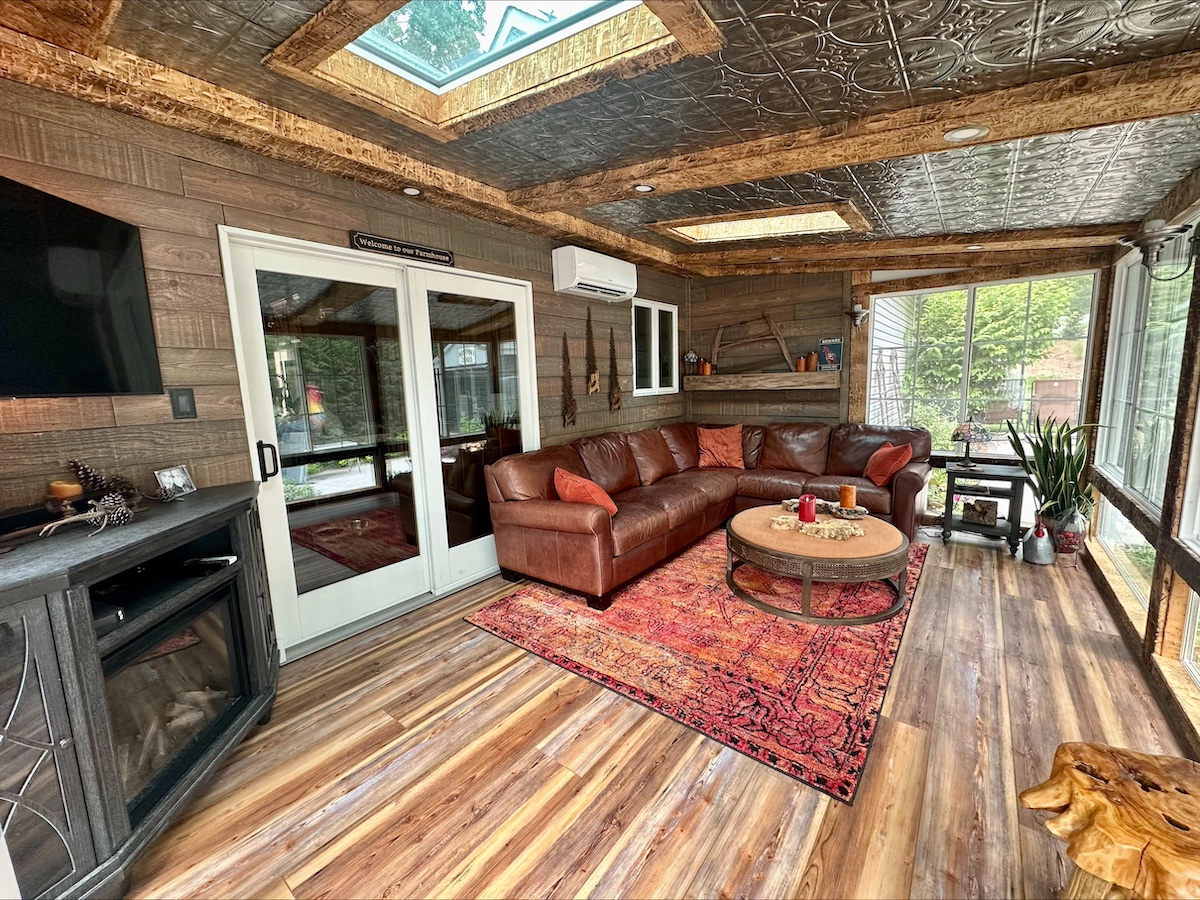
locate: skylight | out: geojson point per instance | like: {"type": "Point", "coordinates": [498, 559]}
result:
{"type": "Point", "coordinates": [441, 44]}
{"type": "Point", "coordinates": [763, 227]}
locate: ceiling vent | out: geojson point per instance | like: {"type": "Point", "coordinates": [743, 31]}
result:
{"type": "Point", "coordinates": [585, 273]}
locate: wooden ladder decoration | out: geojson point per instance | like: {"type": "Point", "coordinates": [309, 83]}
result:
{"type": "Point", "coordinates": [743, 342]}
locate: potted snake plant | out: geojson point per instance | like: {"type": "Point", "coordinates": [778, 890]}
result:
{"type": "Point", "coordinates": [1054, 455]}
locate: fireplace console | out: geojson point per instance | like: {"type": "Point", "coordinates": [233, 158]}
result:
{"type": "Point", "coordinates": [131, 664]}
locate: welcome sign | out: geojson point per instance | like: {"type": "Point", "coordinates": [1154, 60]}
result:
{"type": "Point", "coordinates": [360, 240]}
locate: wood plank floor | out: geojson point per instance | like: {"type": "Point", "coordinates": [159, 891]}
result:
{"type": "Point", "coordinates": [428, 758]}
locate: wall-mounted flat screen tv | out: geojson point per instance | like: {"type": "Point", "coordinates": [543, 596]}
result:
{"type": "Point", "coordinates": [74, 312]}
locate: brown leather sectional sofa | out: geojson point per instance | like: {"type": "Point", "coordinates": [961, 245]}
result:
{"type": "Point", "coordinates": [665, 501]}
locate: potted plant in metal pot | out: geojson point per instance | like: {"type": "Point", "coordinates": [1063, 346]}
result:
{"type": "Point", "coordinates": [1054, 455]}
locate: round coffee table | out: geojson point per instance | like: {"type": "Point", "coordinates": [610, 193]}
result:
{"type": "Point", "coordinates": [881, 554]}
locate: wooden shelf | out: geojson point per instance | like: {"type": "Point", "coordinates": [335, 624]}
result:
{"type": "Point", "coordinates": [765, 381]}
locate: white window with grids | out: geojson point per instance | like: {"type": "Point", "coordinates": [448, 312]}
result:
{"type": "Point", "coordinates": [1145, 349]}
{"type": "Point", "coordinates": [1001, 351]}
{"type": "Point", "coordinates": [655, 347]}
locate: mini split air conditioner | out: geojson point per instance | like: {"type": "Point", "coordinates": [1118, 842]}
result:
{"type": "Point", "coordinates": [588, 274]}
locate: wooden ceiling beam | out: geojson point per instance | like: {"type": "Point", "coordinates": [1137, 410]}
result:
{"type": "Point", "coordinates": [1081, 262]}
{"type": "Point", "coordinates": [689, 24]}
{"type": "Point", "coordinates": [143, 88]}
{"type": "Point", "coordinates": [1144, 90]}
{"type": "Point", "coordinates": [985, 259]}
{"type": "Point", "coordinates": [336, 25]}
{"type": "Point", "coordinates": [1072, 236]}
{"type": "Point", "coordinates": [79, 25]}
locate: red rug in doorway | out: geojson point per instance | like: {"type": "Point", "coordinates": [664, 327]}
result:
{"type": "Point", "coordinates": [801, 698]}
{"type": "Point", "coordinates": [363, 542]}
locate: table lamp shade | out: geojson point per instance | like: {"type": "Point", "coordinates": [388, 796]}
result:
{"type": "Point", "coordinates": [971, 432]}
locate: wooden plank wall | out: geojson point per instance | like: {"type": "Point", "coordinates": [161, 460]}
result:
{"type": "Point", "coordinates": [178, 187]}
{"type": "Point", "coordinates": [806, 307]}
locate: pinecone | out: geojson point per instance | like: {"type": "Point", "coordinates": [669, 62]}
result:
{"type": "Point", "coordinates": [111, 502]}
{"type": "Point", "coordinates": [91, 479]}
{"type": "Point", "coordinates": [167, 494]}
{"type": "Point", "coordinates": [122, 515]}
{"type": "Point", "coordinates": [125, 488]}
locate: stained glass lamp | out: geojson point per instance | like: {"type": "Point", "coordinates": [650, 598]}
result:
{"type": "Point", "coordinates": [968, 433]}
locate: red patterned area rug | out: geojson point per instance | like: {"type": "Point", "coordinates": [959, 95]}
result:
{"type": "Point", "coordinates": [801, 698]}
{"type": "Point", "coordinates": [363, 542]}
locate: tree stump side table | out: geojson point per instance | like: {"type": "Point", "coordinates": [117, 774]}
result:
{"type": "Point", "coordinates": [1131, 821]}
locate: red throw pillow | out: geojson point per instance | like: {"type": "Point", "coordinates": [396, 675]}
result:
{"type": "Point", "coordinates": [886, 462]}
{"type": "Point", "coordinates": [577, 489]}
{"type": "Point", "coordinates": [721, 447]}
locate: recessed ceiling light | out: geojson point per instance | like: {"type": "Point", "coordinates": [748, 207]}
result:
{"type": "Point", "coordinates": [974, 246]}
{"type": "Point", "coordinates": [967, 133]}
{"type": "Point", "coordinates": [776, 258]}
{"type": "Point", "coordinates": [643, 188]}
{"type": "Point", "coordinates": [411, 191]}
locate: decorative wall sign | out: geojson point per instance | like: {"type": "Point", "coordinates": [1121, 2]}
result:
{"type": "Point", "coordinates": [614, 384]}
{"type": "Point", "coordinates": [568, 392]}
{"type": "Point", "coordinates": [829, 355]}
{"type": "Point", "coordinates": [360, 240]}
{"type": "Point", "coordinates": [593, 370]}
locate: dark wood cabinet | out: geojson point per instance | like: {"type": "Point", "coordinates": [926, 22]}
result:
{"type": "Point", "coordinates": [45, 820]}
{"type": "Point", "coordinates": [112, 722]}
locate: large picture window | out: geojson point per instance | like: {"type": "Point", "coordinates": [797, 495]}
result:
{"type": "Point", "coordinates": [1006, 351]}
{"type": "Point", "coordinates": [655, 347]}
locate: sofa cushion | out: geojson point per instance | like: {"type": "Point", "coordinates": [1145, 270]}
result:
{"type": "Point", "coordinates": [752, 444]}
{"type": "Point", "coordinates": [685, 448]}
{"type": "Point", "coordinates": [886, 462]}
{"type": "Point", "coordinates": [718, 484]}
{"type": "Point", "coordinates": [850, 446]}
{"type": "Point", "coordinates": [681, 500]}
{"type": "Point", "coordinates": [720, 448]}
{"type": "Point", "coordinates": [797, 447]}
{"type": "Point", "coordinates": [769, 484]}
{"type": "Point", "coordinates": [577, 489]}
{"type": "Point", "coordinates": [636, 523]}
{"type": "Point", "coordinates": [609, 461]}
{"type": "Point", "coordinates": [530, 476]}
{"type": "Point", "coordinates": [878, 500]}
{"type": "Point", "coordinates": [651, 455]}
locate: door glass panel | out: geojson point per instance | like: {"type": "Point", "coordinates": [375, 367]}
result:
{"type": "Point", "coordinates": [337, 388]}
{"type": "Point", "coordinates": [478, 402]}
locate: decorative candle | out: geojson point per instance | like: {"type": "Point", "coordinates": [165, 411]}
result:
{"type": "Point", "coordinates": [807, 510]}
{"type": "Point", "coordinates": [848, 494]}
{"type": "Point", "coordinates": [66, 490]}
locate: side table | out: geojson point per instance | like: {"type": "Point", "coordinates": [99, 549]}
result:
{"type": "Point", "coordinates": [963, 480]}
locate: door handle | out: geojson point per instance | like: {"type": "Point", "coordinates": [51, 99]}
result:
{"type": "Point", "coordinates": [264, 475]}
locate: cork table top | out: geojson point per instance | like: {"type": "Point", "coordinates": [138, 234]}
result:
{"type": "Point", "coordinates": [754, 527]}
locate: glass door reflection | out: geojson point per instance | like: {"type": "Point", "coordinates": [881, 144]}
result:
{"type": "Point", "coordinates": [478, 402]}
{"type": "Point", "coordinates": [337, 378]}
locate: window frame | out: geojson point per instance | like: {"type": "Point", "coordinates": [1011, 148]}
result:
{"type": "Point", "coordinates": [655, 307]}
{"type": "Point", "coordinates": [964, 391]}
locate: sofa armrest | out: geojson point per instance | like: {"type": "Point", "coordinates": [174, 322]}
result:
{"type": "Point", "coordinates": [909, 489]}
{"type": "Point", "coordinates": [553, 515]}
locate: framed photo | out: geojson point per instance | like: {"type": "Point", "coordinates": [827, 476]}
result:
{"type": "Point", "coordinates": [829, 355]}
{"type": "Point", "coordinates": [177, 479]}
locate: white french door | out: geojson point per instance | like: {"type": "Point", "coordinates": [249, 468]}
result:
{"type": "Point", "coordinates": [375, 392]}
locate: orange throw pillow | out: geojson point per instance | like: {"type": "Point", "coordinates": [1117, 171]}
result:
{"type": "Point", "coordinates": [576, 489]}
{"type": "Point", "coordinates": [886, 462]}
{"type": "Point", "coordinates": [721, 447]}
